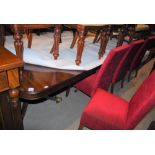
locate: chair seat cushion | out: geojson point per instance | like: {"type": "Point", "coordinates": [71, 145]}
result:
{"type": "Point", "coordinates": [105, 111]}
{"type": "Point", "coordinates": [86, 85]}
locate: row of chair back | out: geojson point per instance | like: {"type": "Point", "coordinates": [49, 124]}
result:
{"type": "Point", "coordinates": [115, 67]}
{"type": "Point", "coordinates": [107, 111]}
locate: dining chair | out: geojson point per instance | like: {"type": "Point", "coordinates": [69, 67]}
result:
{"type": "Point", "coordinates": [136, 63]}
{"type": "Point", "coordinates": [103, 77]}
{"type": "Point", "coordinates": [122, 68]}
{"type": "Point", "coordinates": [110, 112]}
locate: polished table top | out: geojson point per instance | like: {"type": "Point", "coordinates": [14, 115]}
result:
{"type": "Point", "coordinates": [38, 82]}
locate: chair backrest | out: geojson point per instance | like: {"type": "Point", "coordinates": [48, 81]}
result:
{"type": "Point", "coordinates": [148, 44]}
{"type": "Point", "coordinates": [105, 73]}
{"type": "Point", "coordinates": [142, 102]}
{"type": "Point", "coordinates": [124, 64]}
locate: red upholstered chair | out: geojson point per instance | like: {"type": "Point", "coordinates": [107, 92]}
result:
{"type": "Point", "coordinates": [148, 44]}
{"type": "Point", "coordinates": [124, 64]}
{"type": "Point", "coordinates": [102, 78]}
{"type": "Point", "coordinates": [107, 111]}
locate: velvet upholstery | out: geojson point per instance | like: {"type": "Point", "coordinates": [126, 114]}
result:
{"type": "Point", "coordinates": [107, 111]}
{"type": "Point", "coordinates": [148, 44]}
{"type": "Point", "coordinates": [103, 77]}
{"type": "Point", "coordinates": [124, 64]}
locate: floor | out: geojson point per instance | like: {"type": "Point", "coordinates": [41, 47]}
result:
{"type": "Point", "coordinates": [49, 115]}
{"type": "Point", "coordinates": [66, 115]}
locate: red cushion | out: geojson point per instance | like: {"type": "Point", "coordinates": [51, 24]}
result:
{"type": "Point", "coordinates": [105, 111]}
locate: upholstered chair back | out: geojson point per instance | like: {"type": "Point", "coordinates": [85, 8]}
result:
{"type": "Point", "coordinates": [148, 44]}
{"type": "Point", "coordinates": [105, 73]}
{"type": "Point", "coordinates": [142, 102]}
{"type": "Point", "coordinates": [124, 64]}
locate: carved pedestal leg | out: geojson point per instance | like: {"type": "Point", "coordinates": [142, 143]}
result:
{"type": "Point", "coordinates": [80, 46]}
{"type": "Point", "coordinates": [55, 48]}
{"type": "Point", "coordinates": [15, 108]}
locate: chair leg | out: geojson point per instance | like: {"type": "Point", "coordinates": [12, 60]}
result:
{"type": "Point", "coordinates": [24, 109]}
{"type": "Point", "coordinates": [80, 127]}
{"type": "Point", "coordinates": [75, 37]}
{"type": "Point", "coordinates": [96, 37]}
{"type": "Point", "coordinates": [67, 91]}
{"type": "Point", "coordinates": [112, 88]}
{"type": "Point", "coordinates": [136, 72]}
{"type": "Point", "coordinates": [122, 83]}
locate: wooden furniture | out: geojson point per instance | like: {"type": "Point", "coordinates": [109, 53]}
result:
{"type": "Point", "coordinates": [81, 31]}
{"type": "Point", "coordinates": [18, 28]}
{"type": "Point", "coordinates": [10, 113]}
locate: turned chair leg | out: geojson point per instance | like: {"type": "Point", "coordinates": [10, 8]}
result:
{"type": "Point", "coordinates": [75, 37]}
{"type": "Point", "coordinates": [67, 91]}
{"type": "Point", "coordinates": [24, 109]}
{"type": "Point", "coordinates": [80, 127]}
{"type": "Point", "coordinates": [96, 37]}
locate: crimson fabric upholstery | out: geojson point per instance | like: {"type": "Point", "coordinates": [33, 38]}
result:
{"type": "Point", "coordinates": [103, 77]}
{"type": "Point", "coordinates": [142, 102]}
{"type": "Point", "coordinates": [148, 44]}
{"type": "Point", "coordinates": [107, 111]}
{"type": "Point", "coordinates": [123, 66]}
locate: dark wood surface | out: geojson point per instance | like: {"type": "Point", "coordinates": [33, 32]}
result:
{"type": "Point", "coordinates": [10, 108]}
{"type": "Point", "coordinates": [39, 82]}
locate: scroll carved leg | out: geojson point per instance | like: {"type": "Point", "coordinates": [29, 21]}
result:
{"type": "Point", "coordinates": [80, 46]}
{"type": "Point", "coordinates": [55, 48]}
{"type": "Point", "coordinates": [16, 108]}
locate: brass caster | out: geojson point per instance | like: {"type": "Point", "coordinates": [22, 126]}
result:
{"type": "Point", "coordinates": [57, 99]}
